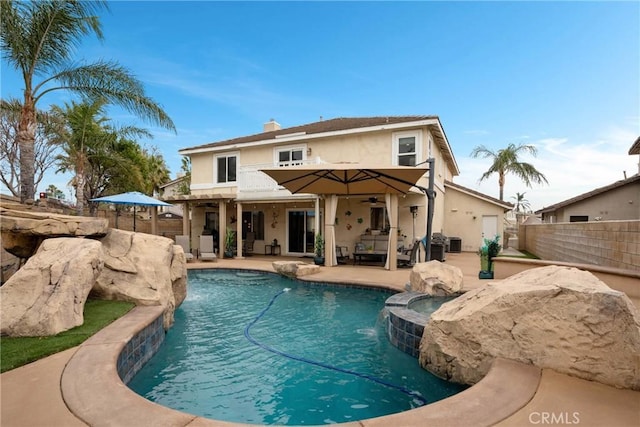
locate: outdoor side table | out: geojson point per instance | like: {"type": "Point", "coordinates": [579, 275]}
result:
{"type": "Point", "coordinates": [272, 249]}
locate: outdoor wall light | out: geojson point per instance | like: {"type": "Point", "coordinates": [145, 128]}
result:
{"type": "Point", "coordinates": [413, 209]}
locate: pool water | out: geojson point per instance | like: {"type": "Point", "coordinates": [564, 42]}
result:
{"type": "Point", "coordinates": [208, 367]}
{"type": "Point", "coordinates": [429, 305]}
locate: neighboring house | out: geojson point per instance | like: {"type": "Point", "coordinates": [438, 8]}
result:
{"type": "Point", "coordinates": [617, 201]}
{"type": "Point", "coordinates": [169, 215]}
{"type": "Point", "coordinates": [170, 189]}
{"type": "Point", "coordinates": [228, 188]}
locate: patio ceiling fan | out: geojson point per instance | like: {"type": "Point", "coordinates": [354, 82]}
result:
{"type": "Point", "coordinates": [372, 201]}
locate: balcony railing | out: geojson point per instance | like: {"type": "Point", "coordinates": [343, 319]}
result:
{"type": "Point", "coordinates": [251, 180]}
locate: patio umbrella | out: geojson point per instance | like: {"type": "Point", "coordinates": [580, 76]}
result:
{"type": "Point", "coordinates": [132, 198]}
{"type": "Point", "coordinates": [346, 179]}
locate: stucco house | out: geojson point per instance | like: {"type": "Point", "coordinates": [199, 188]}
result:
{"type": "Point", "coordinates": [617, 201]}
{"type": "Point", "coordinates": [170, 189]}
{"type": "Point", "coordinates": [229, 190]}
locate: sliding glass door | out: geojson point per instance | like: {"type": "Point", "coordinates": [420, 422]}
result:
{"type": "Point", "coordinates": [300, 232]}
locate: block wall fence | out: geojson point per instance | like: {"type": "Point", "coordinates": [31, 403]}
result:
{"type": "Point", "coordinates": [613, 244]}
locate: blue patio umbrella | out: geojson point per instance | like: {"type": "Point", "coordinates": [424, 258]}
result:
{"type": "Point", "coordinates": [132, 198]}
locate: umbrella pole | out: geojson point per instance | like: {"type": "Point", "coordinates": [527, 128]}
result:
{"type": "Point", "coordinates": [431, 195]}
{"type": "Point", "coordinates": [134, 218]}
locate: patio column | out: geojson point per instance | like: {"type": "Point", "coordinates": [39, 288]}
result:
{"type": "Point", "coordinates": [154, 220]}
{"type": "Point", "coordinates": [391, 201]}
{"type": "Point", "coordinates": [330, 208]}
{"type": "Point", "coordinates": [239, 230]}
{"type": "Point", "coordinates": [185, 219]}
{"type": "Point", "coordinates": [316, 220]}
{"type": "Point", "coordinates": [222, 212]}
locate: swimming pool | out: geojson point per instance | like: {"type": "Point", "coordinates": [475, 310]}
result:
{"type": "Point", "coordinates": [245, 350]}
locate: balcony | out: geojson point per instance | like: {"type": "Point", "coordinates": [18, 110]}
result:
{"type": "Point", "coordinates": [253, 183]}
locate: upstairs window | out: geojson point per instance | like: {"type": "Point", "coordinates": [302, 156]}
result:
{"type": "Point", "coordinates": [290, 156]}
{"type": "Point", "coordinates": [407, 151]}
{"type": "Point", "coordinates": [406, 148]}
{"type": "Point", "coordinates": [226, 168]}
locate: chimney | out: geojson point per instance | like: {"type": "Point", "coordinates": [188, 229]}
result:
{"type": "Point", "coordinates": [271, 125]}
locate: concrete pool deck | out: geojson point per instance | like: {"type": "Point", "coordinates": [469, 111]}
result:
{"type": "Point", "coordinates": [511, 396]}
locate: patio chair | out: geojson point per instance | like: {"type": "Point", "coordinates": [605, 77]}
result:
{"type": "Point", "coordinates": [247, 245]}
{"type": "Point", "coordinates": [407, 258]}
{"type": "Point", "coordinates": [206, 249]}
{"type": "Point", "coordinates": [342, 254]}
{"type": "Point", "coordinates": [183, 240]}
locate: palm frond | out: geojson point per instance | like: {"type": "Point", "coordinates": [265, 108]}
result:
{"type": "Point", "coordinates": [116, 85]}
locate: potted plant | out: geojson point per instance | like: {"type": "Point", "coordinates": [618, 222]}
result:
{"type": "Point", "coordinates": [229, 240]}
{"type": "Point", "coordinates": [318, 259]}
{"type": "Point", "coordinates": [487, 252]}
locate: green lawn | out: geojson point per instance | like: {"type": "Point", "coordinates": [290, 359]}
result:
{"type": "Point", "coordinates": [15, 352]}
{"type": "Point", "coordinates": [525, 254]}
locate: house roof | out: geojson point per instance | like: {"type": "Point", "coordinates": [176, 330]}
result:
{"type": "Point", "coordinates": [173, 182]}
{"type": "Point", "coordinates": [505, 205]}
{"type": "Point", "coordinates": [635, 148]}
{"type": "Point", "coordinates": [340, 125]}
{"type": "Point", "coordinates": [592, 193]}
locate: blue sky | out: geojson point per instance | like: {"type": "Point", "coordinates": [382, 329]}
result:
{"type": "Point", "coordinates": [563, 76]}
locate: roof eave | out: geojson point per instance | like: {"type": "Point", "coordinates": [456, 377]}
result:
{"type": "Point", "coordinates": [504, 205]}
{"type": "Point", "coordinates": [298, 137]}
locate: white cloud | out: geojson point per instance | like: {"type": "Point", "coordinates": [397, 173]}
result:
{"type": "Point", "coordinates": [571, 168]}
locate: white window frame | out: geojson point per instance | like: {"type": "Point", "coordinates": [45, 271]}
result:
{"type": "Point", "coordinates": [417, 135]}
{"type": "Point", "coordinates": [235, 154]}
{"type": "Point", "coordinates": [289, 148]}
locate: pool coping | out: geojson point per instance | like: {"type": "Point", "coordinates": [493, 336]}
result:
{"type": "Point", "coordinates": [93, 391]}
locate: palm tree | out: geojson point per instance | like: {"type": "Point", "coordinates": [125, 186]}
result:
{"type": "Point", "coordinates": [506, 161]}
{"type": "Point", "coordinates": [185, 183]}
{"type": "Point", "coordinates": [90, 145]}
{"type": "Point", "coordinates": [522, 204]}
{"type": "Point", "coordinates": [54, 192]}
{"type": "Point", "coordinates": [38, 39]}
{"type": "Point", "coordinates": [84, 129]}
{"type": "Point", "coordinates": [156, 171]}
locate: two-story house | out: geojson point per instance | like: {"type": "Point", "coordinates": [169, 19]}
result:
{"type": "Point", "coordinates": [228, 188]}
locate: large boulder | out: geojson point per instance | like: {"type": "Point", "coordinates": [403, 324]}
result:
{"type": "Point", "coordinates": [294, 269]}
{"type": "Point", "coordinates": [47, 295]}
{"type": "Point", "coordinates": [141, 268]}
{"type": "Point", "coordinates": [436, 278]}
{"type": "Point", "coordinates": [553, 317]}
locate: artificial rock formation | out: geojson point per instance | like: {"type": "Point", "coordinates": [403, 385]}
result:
{"type": "Point", "coordinates": [436, 278]}
{"type": "Point", "coordinates": [294, 268]}
{"type": "Point", "coordinates": [553, 317]}
{"type": "Point", "coordinates": [9, 264]}
{"type": "Point", "coordinates": [23, 231]}
{"type": "Point", "coordinates": [47, 295]}
{"type": "Point", "coordinates": [178, 275]}
{"type": "Point", "coordinates": [144, 269]}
